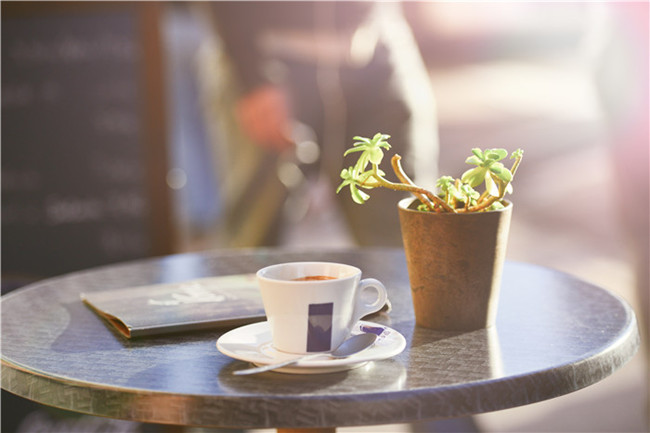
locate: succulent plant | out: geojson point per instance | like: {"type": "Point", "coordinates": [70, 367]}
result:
{"type": "Point", "coordinates": [453, 195]}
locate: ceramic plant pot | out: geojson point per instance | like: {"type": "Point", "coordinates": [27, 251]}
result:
{"type": "Point", "coordinates": [454, 263]}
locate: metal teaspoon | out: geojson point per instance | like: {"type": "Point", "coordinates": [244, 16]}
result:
{"type": "Point", "coordinates": [349, 347]}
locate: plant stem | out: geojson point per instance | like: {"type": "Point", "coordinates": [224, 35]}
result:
{"type": "Point", "coordinates": [432, 201]}
{"type": "Point", "coordinates": [515, 165]}
{"type": "Point", "coordinates": [483, 205]}
{"type": "Point", "coordinates": [399, 172]}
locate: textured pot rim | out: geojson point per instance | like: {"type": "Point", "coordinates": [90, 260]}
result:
{"type": "Point", "coordinates": [404, 204]}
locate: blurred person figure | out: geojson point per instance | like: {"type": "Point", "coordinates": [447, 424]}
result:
{"type": "Point", "coordinates": [333, 69]}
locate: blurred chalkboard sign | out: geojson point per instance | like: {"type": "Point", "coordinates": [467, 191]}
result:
{"type": "Point", "coordinates": [83, 136]}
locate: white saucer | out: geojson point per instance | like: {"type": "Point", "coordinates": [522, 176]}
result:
{"type": "Point", "coordinates": [252, 343]}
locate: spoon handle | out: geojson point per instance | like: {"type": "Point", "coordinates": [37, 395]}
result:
{"type": "Point", "coordinates": [268, 367]}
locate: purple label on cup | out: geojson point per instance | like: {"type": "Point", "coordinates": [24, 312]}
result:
{"type": "Point", "coordinates": [319, 331]}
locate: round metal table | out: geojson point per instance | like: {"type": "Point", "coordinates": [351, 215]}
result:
{"type": "Point", "coordinates": [555, 334]}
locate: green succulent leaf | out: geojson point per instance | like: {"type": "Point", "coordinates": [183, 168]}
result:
{"type": "Point", "coordinates": [351, 178]}
{"type": "Point", "coordinates": [361, 140]}
{"type": "Point", "coordinates": [496, 206]}
{"type": "Point", "coordinates": [342, 185]}
{"type": "Point", "coordinates": [496, 154]}
{"type": "Point", "coordinates": [358, 196]}
{"type": "Point", "coordinates": [365, 180]}
{"type": "Point", "coordinates": [497, 168]}
{"type": "Point", "coordinates": [362, 162]}
{"type": "Point", "coordinates": [375, 155]}
{"type": "Point", "coordinates": [474, 176]}
{"type": "Point", "coordinates": [474, 160]}
{"type": "Point", "coordinates": [352, 150]}
{"type": "Point", "coordinates": [445, 183]}
{"type": "Point", "coordinates": [469, 192]}
{"type": "Point", "coordinates": [372, 150]}
{"type": "Point", "coordinates": [347, 175]}
{"type": "Point", "coordinates": [491, 186]}
{"type": "Point", "coordinates": [501, 172]}
{"type": "Point", "coordinates": [379, 137]}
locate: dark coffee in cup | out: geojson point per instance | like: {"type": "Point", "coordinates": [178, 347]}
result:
{"type": "Point", "coordinates": [314, 278]}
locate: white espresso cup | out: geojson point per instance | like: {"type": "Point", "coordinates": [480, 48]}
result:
{"type": "Point", "coordinates": [318, 314]}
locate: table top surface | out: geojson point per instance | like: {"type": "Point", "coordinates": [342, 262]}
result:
{"type": "Point", "coordinates": [555, 334]}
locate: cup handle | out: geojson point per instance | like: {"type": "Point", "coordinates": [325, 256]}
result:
{"type": "Point", "coordinates": [364, 308]}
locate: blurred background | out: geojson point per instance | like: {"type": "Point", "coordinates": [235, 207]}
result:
{"type": "Point", "coordinates": [113, 148]}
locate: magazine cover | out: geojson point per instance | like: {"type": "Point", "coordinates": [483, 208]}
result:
{"type": "Point", "coordinates": [195, 304]}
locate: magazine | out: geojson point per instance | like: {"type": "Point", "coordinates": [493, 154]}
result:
{"type": "Point", "coordinates": [203, 303]}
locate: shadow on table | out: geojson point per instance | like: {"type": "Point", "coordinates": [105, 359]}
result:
{"type": "Point", "coordinates": [387, 374]}
{"type": "Point", "coordinates": [442, 353]}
